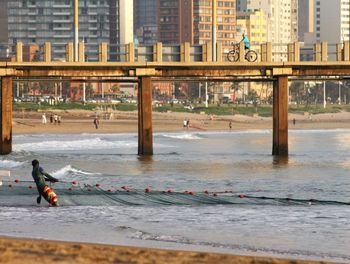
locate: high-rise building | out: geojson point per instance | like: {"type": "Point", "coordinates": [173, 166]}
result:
{"type": "Point", "coordinates": [191, 21]}
{"type": "Point", "coordinates": [3, 31]}
{"type": "Point", "coordinates": [254, 24]}
{"type": "Point", "coordinates": [3, 22]}
{"type": "Point", "coordinates": [332, 20]}
{"type": "Point", "coordinates": [145, 21]}
{"type": "Point", "coordinates": [282, 21]}
{"type": "Point", "coordinates": [305, 19]}
{"type": "Point", "coordinates": [168, 21]}
{"type": "Point", "coordinates": [281, 17]}
{"type": "Point", "coordinates": [37, 22]}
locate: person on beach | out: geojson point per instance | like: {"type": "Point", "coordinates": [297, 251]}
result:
{"type": "Point", "coordinates": [230, 125]}
{"type": "Point", "coordinates": [55, 118]}
{"type": "Point", "coordinates": [59, 119]}
{"type": "Point", "coordinates": [96, 122]}
{"type": "Point", "coordinates": [40, 177]}
{"type": "Point", "coordinates": [43, 118]}
{"type": "Point", "coordinates": [51, 118]}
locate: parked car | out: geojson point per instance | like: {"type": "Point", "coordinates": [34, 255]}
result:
{"type": "Point", "coordinates": [131, 100]}
{"type": "Point", "coordinates": [115, 101]}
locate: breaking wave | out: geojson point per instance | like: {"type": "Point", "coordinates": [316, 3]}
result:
{"type": "Point", "coordinates": [69, 171]}
{"type": "Point", "coordinates": [10, 164]}
{"type": "Point", "coordinates": [84, 144]}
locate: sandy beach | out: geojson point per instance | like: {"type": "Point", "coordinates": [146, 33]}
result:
{"type": "Point", "coordinates": [19, 251]}
{"type": "Point", "coordinates": [38, 251]}
{"type": "Point", "coordinates": [81, 121]}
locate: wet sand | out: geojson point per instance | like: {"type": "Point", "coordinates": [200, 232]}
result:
{"type": "Point", "coordinates": [20, 251]}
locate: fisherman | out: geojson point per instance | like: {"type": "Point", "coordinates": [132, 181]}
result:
{"type": "Point", "coordinates": [40, 176]}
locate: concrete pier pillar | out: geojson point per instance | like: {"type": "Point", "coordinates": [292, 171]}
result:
{"type": "Point", "coordinates": [145, 129]}
{"type": "Point", "coordinates": [6, 115]}
{"type": "Point", "coordinates": [280, 116]}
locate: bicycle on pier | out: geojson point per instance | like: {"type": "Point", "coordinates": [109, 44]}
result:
{"type": "Point", "coordinates": [233, 54]}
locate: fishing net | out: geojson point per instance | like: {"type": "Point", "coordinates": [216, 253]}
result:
{"type": "Point", "coordinates": [17, 193]}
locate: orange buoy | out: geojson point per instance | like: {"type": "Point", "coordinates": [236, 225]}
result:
{"type": "Point", "coordinates": [109, 190]}
{"type": "Point", "coordinates": [215, 194]}
{"type": "Point", "coordinates": [98, 185]}
{"type": "Point", "coordinates": [170, 191]}
{"type": "Point", "coordinates": [74, 182]}
{"type": "Point", "coordinates": [147, 190]}
{"type": "Point", "coordinates": [30, 186]}
{"type": "Point", "coordinates": [206, 192]}
{"type": "Point", "coordinates": [16, 181]}
{"type": "Point", "coordinates": [241, 196]}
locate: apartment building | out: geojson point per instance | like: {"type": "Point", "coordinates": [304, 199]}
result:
{"type": "Point", "coordinates": [191, 21]}
{"type": "Point", "coordinates": [282, 21]}
{"type": "Point", "coordinates": [145, 21]}
{"type": "Point", "coordinates": [254, 24]}
{"type": "Point", "coordinates": [40, 21]}
{"type": "Point", "coordinates": [3, 31]}
{"type": "Point", "coordinates": [305, 19]}
{"type": "Point", "coordinates": [332, 20]}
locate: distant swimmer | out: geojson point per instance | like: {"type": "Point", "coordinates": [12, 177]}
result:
{"type": "Point", "coordinates": [40, 177]}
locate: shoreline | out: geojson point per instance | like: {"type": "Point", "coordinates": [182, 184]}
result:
{"type": "Point", "coordinates": [79, 121]}
{"type": "Point", "coordinates": [27, 250]}
{"type": "Point", "coordinates": [30, 251]}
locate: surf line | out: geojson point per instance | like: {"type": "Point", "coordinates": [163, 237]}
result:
{"type": "Point", "coordinates": [25, 124]}
{"type": "Point", "coordinates": [196, 127]}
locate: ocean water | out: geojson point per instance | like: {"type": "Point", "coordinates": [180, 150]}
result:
{"type": "Point", "coordinates": [228, 164]}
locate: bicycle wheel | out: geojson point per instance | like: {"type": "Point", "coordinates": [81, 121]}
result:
{"type": "Point", "coordinates": [233, 55]}
{"type": "Point", "coordinates": [251, 56]}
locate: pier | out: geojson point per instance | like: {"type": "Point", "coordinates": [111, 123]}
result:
{"type": "Point", "coordinates": [189, 63]}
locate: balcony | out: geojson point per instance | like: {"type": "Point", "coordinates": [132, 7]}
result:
{"type": "Point", "coordinates": [61, 6]}
{"type": "Point", "coordinates": [62, 13]}
{"type": "Point", "coordinates": [62, 21]}
{"type": "Point", "coordinates": [66, 36]}
{"type": "Point", "coordinates": [62, 29]}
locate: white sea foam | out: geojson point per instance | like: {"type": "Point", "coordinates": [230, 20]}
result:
{"type": "Point", "coordinates": [239, 132]}
{"type": "Point", "coordinates": [84, 144]}
{"type": "Point", "coordinates": [186, 136]}
{"type": "Point", "coordinates": [69, 170]}
{"type": "Point", "coordinates": [10, 164]}
{"type": "Point", "coordinates": [320, 131]}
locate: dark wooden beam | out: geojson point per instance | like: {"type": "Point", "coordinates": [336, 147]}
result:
{"type": "Point", "coordinates": [6, 115]}
{"type": "Point", "coordinates": [280, 116]}
{"type": "Point", "coordinates": [145, 145]}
